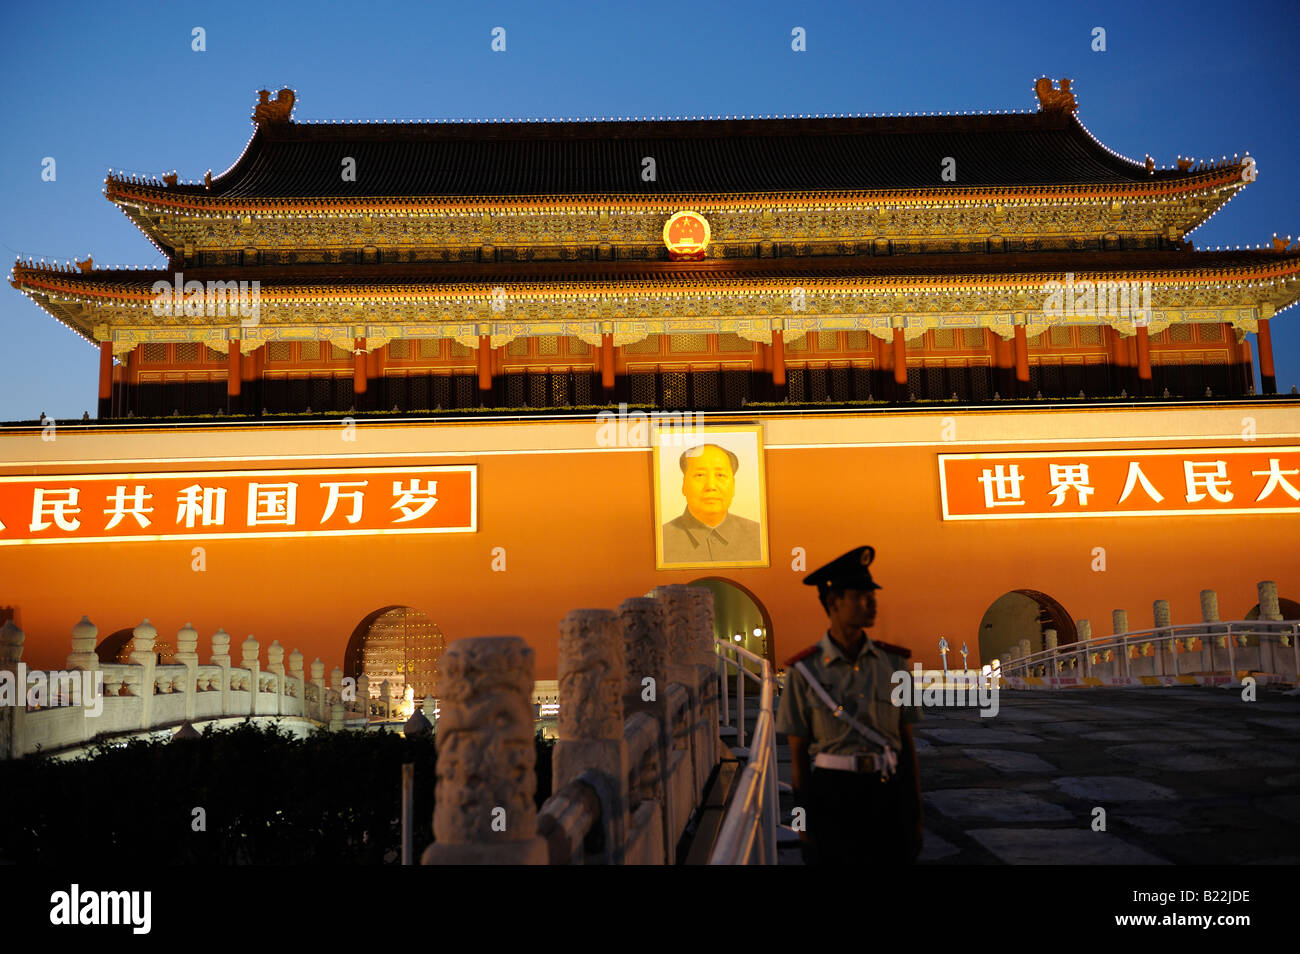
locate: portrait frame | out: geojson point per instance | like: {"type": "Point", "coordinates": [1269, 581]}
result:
{"type": "Point", "coordinates": [749, 503]}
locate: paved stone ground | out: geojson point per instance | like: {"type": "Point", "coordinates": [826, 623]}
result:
{"type": "Point", "coordinates": [1186, 775]}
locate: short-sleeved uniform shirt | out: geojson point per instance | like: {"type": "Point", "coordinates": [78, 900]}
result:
{"type": "Point", "coordinates": [863, 686]}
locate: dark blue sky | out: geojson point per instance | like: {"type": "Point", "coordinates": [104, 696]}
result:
{"type": "Point", "coordinates": [99, 86]}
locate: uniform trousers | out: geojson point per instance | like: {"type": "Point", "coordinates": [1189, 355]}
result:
{"type": "Point", "coordinates": [854, 818]}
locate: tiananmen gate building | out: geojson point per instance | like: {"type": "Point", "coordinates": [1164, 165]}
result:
{"type": "Point", "coordinates": [406, 382]}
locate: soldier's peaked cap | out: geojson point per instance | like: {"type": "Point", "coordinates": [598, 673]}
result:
{"type": "Point", "coordinates": [849, 571]}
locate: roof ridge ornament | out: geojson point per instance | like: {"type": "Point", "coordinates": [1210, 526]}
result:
{"type": "Point", "coordinates": [1053, 100]}
{"type": "Point", "coordinates": [278, 110]}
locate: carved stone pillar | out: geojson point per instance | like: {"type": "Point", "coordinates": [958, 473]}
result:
{"type": "Point", "coordinates": [1270, 608]}
{"type": "Point", "coordinates": [484, 810]}
{"type": "Point", "coordinates": [187, 654]}
{"type": "Point", "coordinates": [321, 710]}
{"type": "Point", "coordinates": [645, 645]}
{"type": "Point", "coordinates": [1083, 628]}
{"type": "Point", "coordinates": [679, 629]}
{"type": "Point", "coordinates": [13, 717]}
{"type": "Point", "coordinates": [363, 695]}
{"type": "Point", "coordinates": [221, 657]}
{"type": "Point", "coordinates": [1210, 614]}
{"type": "Point", "coordinates": [251, 650]}
{"type": "Point", "coordinates": [706, 662]}
{"type": "Point", "coordinates": [1160, 614]}
{"type": "Point", "coordinates": [592, 677]}
{"type": "Point", "coordinates": [143, 639]}
{"type": "Point", "coordinates": [1119, 621]}
{"type": "Point", "coordinates": [83, 646]}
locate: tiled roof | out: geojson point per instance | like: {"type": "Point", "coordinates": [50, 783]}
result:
{"type": "Point", "coordinates": [722, 156]}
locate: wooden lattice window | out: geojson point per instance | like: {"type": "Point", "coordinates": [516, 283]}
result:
{"type": "Point", "coordinates": [945, 338]}
{"type": "Point", "coordinates": [798, 344]}
{"type": "Point", "coordinates": [459, 350]}
{"type": "Point", "coordinates": [972, 338]}
{"type": "Point", "coordinates": [187, 352]}
{"type": "Point", "coordinates": [1211, 332]}
{"type": "Point", "coordinates": [397, 348]}
{"type": "Point", "coordinates": [515, 390]}
{"type": "Point", "coordinates": [642, 387]}
{"type": "Point", "coordinates": [1060, 337]}
{"type": "Point", "coordinates": [858, 340]}
{"type": "Point", "coordinates": [675, 389]}
{"type": "Point", "coordinates": [1090, 335]}
{"type": "Point", "coordinates": [828, 341]}
{"type": "Point", "coordinates": [578, 346]}
{"type": "Point", "coordinates": [337, 351]}
{"type": "Point", "coordinates": [1180, 332]}
{"type": "Point", "coordinates": [279, 351]}
{"type": "Point", "coordinates": [215, 354]}
{"type": "Point", "coordinates": [688, 343]}
{"type": "Point", "coordinates": [730, 341]}
{"type": "Point", "coordinates": [518, 348]}
{"type": "Point", "coordinates": [430, 348]}
{"type": "Point", "coordinates": [537, 390]}
{"type": "Point", "coordinates": [153, 353]}
{"type": "Point", "coordinates": [706, 388]}
{"type": "Point", "coordinates": [310, 350]}
{"type": "Point", "coordinates": [322, 394]}
{"type": "Point", "coordinates": [548, 346]}
{"type": "Point", "coordinates": [796, 380]}
{"type": "Point", "coordinates": [648, 345]}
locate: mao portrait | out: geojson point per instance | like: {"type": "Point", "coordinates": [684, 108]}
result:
{"type": "Point", "coordinates": [709, 497]}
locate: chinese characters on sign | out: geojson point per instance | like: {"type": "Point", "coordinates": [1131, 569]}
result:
{"type": "Point", "coordinates": [252, 503]}
{"type": "Point", "coordinates": [1120, 483]}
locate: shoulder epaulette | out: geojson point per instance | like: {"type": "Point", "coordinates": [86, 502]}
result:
{"type": "Point", "coordinates": [802, 654]}
{"type": "Point", "coordinates": [895, 650]}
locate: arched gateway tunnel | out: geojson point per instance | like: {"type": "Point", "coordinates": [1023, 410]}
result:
{"type": "Point", "coordinates": [304, 532]}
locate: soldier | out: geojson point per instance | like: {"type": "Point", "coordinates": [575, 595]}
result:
{"type": "Point", "coordinates": [852, 758]}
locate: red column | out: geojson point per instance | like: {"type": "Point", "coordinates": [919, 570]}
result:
{"type": "Point", "coordinates": [105, 379]}
{"type": "Point", "coordinates": [132, 380]}
{"type": "Point", "coordinates": [1003, 361]}
{"type": "Point", "coordinates": [778, 358]}
{"type": "Point", "coordinates": [607, 362]}
{"type": "Point", "coordinates": [900, 357]}
{"type": "Point", "coordinates": [233, 374]}
{"type": "Point", "coordinates": [1264, 339]}
{"type": "Point", "coordinates": [1144, 360]}
{"type": "Point", "coordinates": [358, 373]}
{"type": "Point", "coordinates": [484, 364]}
{"type": "Point", "coordinates": [1022, 362]}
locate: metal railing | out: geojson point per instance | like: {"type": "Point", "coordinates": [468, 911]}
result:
{"type": "Point", "coordinates": [749, 829]}
{"type": "Point", "coordinates": [1220, 642]}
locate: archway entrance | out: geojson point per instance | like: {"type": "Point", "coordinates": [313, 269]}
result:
{"type": "Point", "coordinates": [1022, 614]}
{"type": "Point", "coordinates": [738, 612]}
{"type": "Point", "coordinates": [400, 644]}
